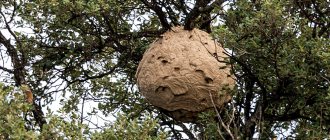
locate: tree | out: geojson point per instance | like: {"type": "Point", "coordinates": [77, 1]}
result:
{"type": "Point", "coordinates": [86, 52]}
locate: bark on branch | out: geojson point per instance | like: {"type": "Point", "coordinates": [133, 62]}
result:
{"type": "Point", "coordinates": [19, 77]}
{"type": "Point", "coordinates": [201, 8]}
{"type": "Point", "coordinates": [159, 12]}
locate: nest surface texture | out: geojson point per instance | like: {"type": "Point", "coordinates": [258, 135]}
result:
{"type": "Point", "coordinates": [183, 74]}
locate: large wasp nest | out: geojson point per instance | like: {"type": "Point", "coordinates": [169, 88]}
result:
{"type": "Point", "coordinates": [182, 74]}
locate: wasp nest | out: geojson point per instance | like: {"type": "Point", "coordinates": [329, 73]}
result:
{"type": "Point", "coordinates": [182, 74]}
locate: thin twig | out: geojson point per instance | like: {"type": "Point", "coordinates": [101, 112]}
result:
{"type": "Point", "coordinates": [220, 120]}
{"type": "Point", "coordinates": [6, 69]}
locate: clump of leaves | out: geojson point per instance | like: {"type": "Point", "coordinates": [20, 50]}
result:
{"type": "Point", "coordinates": [12, 111]}
{"type": "Point", "coordinates": [146, 128]}
{"type": "Point", "coordinates": [211, 128]}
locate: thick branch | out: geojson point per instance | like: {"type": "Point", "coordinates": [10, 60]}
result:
{"type": "Point", "coordinates": [171, 14]}
{"type": "Point", "coordinates": [18, 71]}
{"type": "Point", "coordinates": [159, 12]}
{"type": "Point", "coordinates": [194, 13]}
{"type": "Point", "coordinates": [181, 6]}
{"type": "Point", "coordinates": [6, 69]}
{"type": "Point", "coordinates": [249, 127]}
{"type": "Point", "coordinates": [186, 131]}
{"type": "Point", "coordinates": [201, 8]}
{"type": "Point", "coordinates": [12, 51]}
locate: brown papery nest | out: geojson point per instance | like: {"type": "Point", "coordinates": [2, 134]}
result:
{"type": "Point", "coordinates": [183, 74]}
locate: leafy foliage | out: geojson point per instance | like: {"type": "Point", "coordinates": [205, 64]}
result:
{"type": "Point", "coordinates": [11, 118]}
{"type": "Point", "coordinates": [79, 60]}
{"type": "Point", "coordinates": [132, 129]}
{"type": "Point", "coordinates": [279, 65]}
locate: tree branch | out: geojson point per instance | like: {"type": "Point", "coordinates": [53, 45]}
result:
{"type": "Point", "coordinates": [201, 7]}
{"type": "Point", "coordinates": [285, 117]}
{"type": "Point", "coordinates": [18, 67]}
{"type": "Point", "coordinates": [9, 29]}
{"type": "Point", "coordinates": [181, 6]}
{"type": "Point", "coordinates": [194, 13]}
{"type": "Point", "coordinates": [186, 131]}
{"type": "Point", "coordinates": [6, 70]}
{"type": "Point", "coordinates": [19, 64]}
{"type": "Point", "coordinates": [159, 12]}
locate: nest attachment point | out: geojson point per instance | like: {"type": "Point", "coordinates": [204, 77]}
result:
{"type": "Point", "coordinates": [182, 74]}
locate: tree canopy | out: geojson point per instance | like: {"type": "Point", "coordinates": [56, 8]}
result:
{"type": "Point", "coordinates": [67, 68]}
